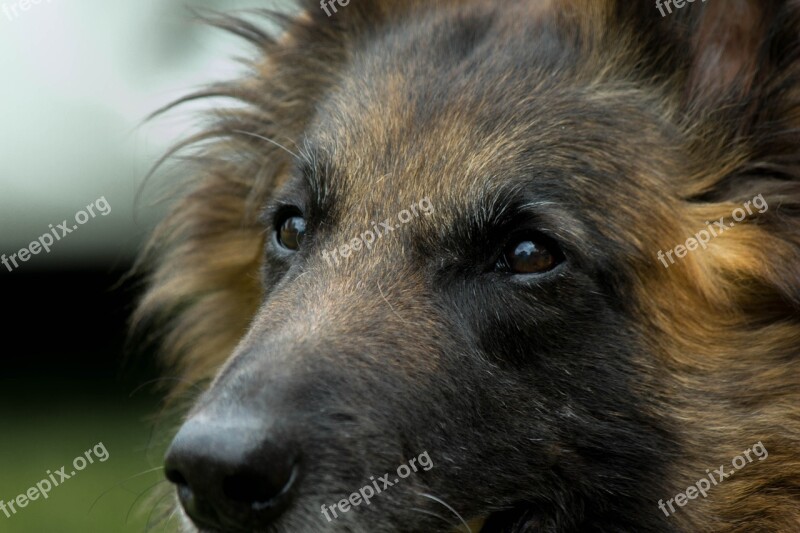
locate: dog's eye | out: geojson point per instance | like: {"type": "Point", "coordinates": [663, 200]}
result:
{"type": "Point", "coordinates": [291, 230]}
{"type": "Point", "coordinates": [530, 256]}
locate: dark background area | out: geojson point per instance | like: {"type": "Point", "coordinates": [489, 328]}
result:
{"type": "Point", "coordinates": [71, 326]}
{"type": "Point", "coordinates": [70, 379]}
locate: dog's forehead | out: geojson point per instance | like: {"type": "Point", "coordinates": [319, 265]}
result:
{"type": "Point", "coordinates": [432, 112]}
{"type": "Point", "coordinates": [400, 138]}
{"type": "Point", "coordinates": [386, 152]}
{"type": "Point", "coordinates": [422, 111]}
{"type": "Point", "coordinates": [404, 138]}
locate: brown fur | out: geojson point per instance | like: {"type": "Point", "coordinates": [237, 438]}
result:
{"type": "Point", "coordinates": [698, 135]}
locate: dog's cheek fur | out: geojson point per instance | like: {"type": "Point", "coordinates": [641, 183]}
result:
{"type": "Point", "coordinates": [568, 430]}
{"type": "Point", "coordinates": [725, 320]}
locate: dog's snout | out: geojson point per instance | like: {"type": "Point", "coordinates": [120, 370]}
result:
{"type": "Point", "coordinates": [231, 475]}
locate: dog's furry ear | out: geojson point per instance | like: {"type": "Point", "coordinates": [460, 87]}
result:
{"type": "Point", "coordinates": [735, 48]}
{"type": "Point", "coordinates": [743, 83]}
{"type": "Point", "coordinates": [723, 50]}
{"type": "Point", "coordinates": [740, 96]}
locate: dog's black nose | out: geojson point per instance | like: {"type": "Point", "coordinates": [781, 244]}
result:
{"type": "Point", "coordinates": [229, 475]}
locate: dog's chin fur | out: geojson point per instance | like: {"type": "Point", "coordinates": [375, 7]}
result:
{"type": "Point", "coordinates": [570, 401]}
{"type": "Point", "coordinates": [519, 524]}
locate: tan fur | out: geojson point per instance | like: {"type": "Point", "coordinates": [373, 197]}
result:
{"type": "Point", "coordinates": [728, 371]}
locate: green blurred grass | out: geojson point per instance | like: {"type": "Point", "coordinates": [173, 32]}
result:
{"type": "Point", "coordinates": [49, 431]}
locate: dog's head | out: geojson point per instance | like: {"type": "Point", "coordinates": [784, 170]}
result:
{"type": "Point", "coordinates": [428, 258]}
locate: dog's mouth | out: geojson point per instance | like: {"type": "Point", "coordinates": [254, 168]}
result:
{"type": "Point", "coordinates": [477, 525]}
{"type": "Point", "coordinates": [518, 519]}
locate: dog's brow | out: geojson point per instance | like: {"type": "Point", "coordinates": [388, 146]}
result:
{"type": "Point", "coordinates": [557, 221]}
{"type": "Point", "coordinates": [315, 170]}
{"type": "Point", "coordinates": [507, 205]}
{"type": "Point", "coordinates": [308, 189]}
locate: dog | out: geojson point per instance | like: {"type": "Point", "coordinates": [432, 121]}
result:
{"type": "Point", "coordinates": [523, 167]}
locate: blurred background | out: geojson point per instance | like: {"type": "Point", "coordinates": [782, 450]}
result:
{"type": "Point", "coordinates": [78, 79]}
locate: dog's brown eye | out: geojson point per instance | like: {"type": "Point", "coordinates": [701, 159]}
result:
{"type": "Point", "coordinates": [531, 256]}
{"type": "Point", "coordinates": [291, 232]}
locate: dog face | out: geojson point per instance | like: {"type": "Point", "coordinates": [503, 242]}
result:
{"type": "Point", "coordinates": [457, 263]}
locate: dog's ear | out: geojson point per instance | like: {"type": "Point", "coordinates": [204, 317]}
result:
{"type": "Point", "coordinates": [742, 85]}
{"type": "Point", "coordinates": [738, 96]}
{"type": "Point", "coordinates": [718, 51]}
{"type": "Point", "coordinates": [735, 49]}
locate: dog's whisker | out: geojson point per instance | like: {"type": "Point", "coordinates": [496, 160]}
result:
{"type": "Point", "coordinates": [148, 526]}
{"type": "Point", "coordinates": [139, 497]}
{"type": "Point", "coordinates": [437, 500]}
{"type": "Point", "coordinates": [267, 139]}
{"type": "Point", "coordinates": [162, 379]}
{"type": "Point", "coordinates": [431, 513]}
{"type": "Point", "coordinates": [389, 303]}
{"type": "Point", "coordinates": [172, 515]}
{"type": "Point", "coordinates": [121, 483]}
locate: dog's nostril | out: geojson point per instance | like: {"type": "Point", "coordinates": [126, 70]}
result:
{"type": "Point", "coordinates": [231, 479]}
{"type": "Point", "coordinates": [246, 489]}
{"type": "Point", "coordinates": [196, 508]}
{"type": "Point", "coordinates": [185, 494]}
{"type": "Point", "coordinates": [174, 476]}
{"type": "Point", "coordinates": [259, 492]}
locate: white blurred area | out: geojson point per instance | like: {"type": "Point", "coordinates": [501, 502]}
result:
{"type": "Point", "coordinates": [77, 78]}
